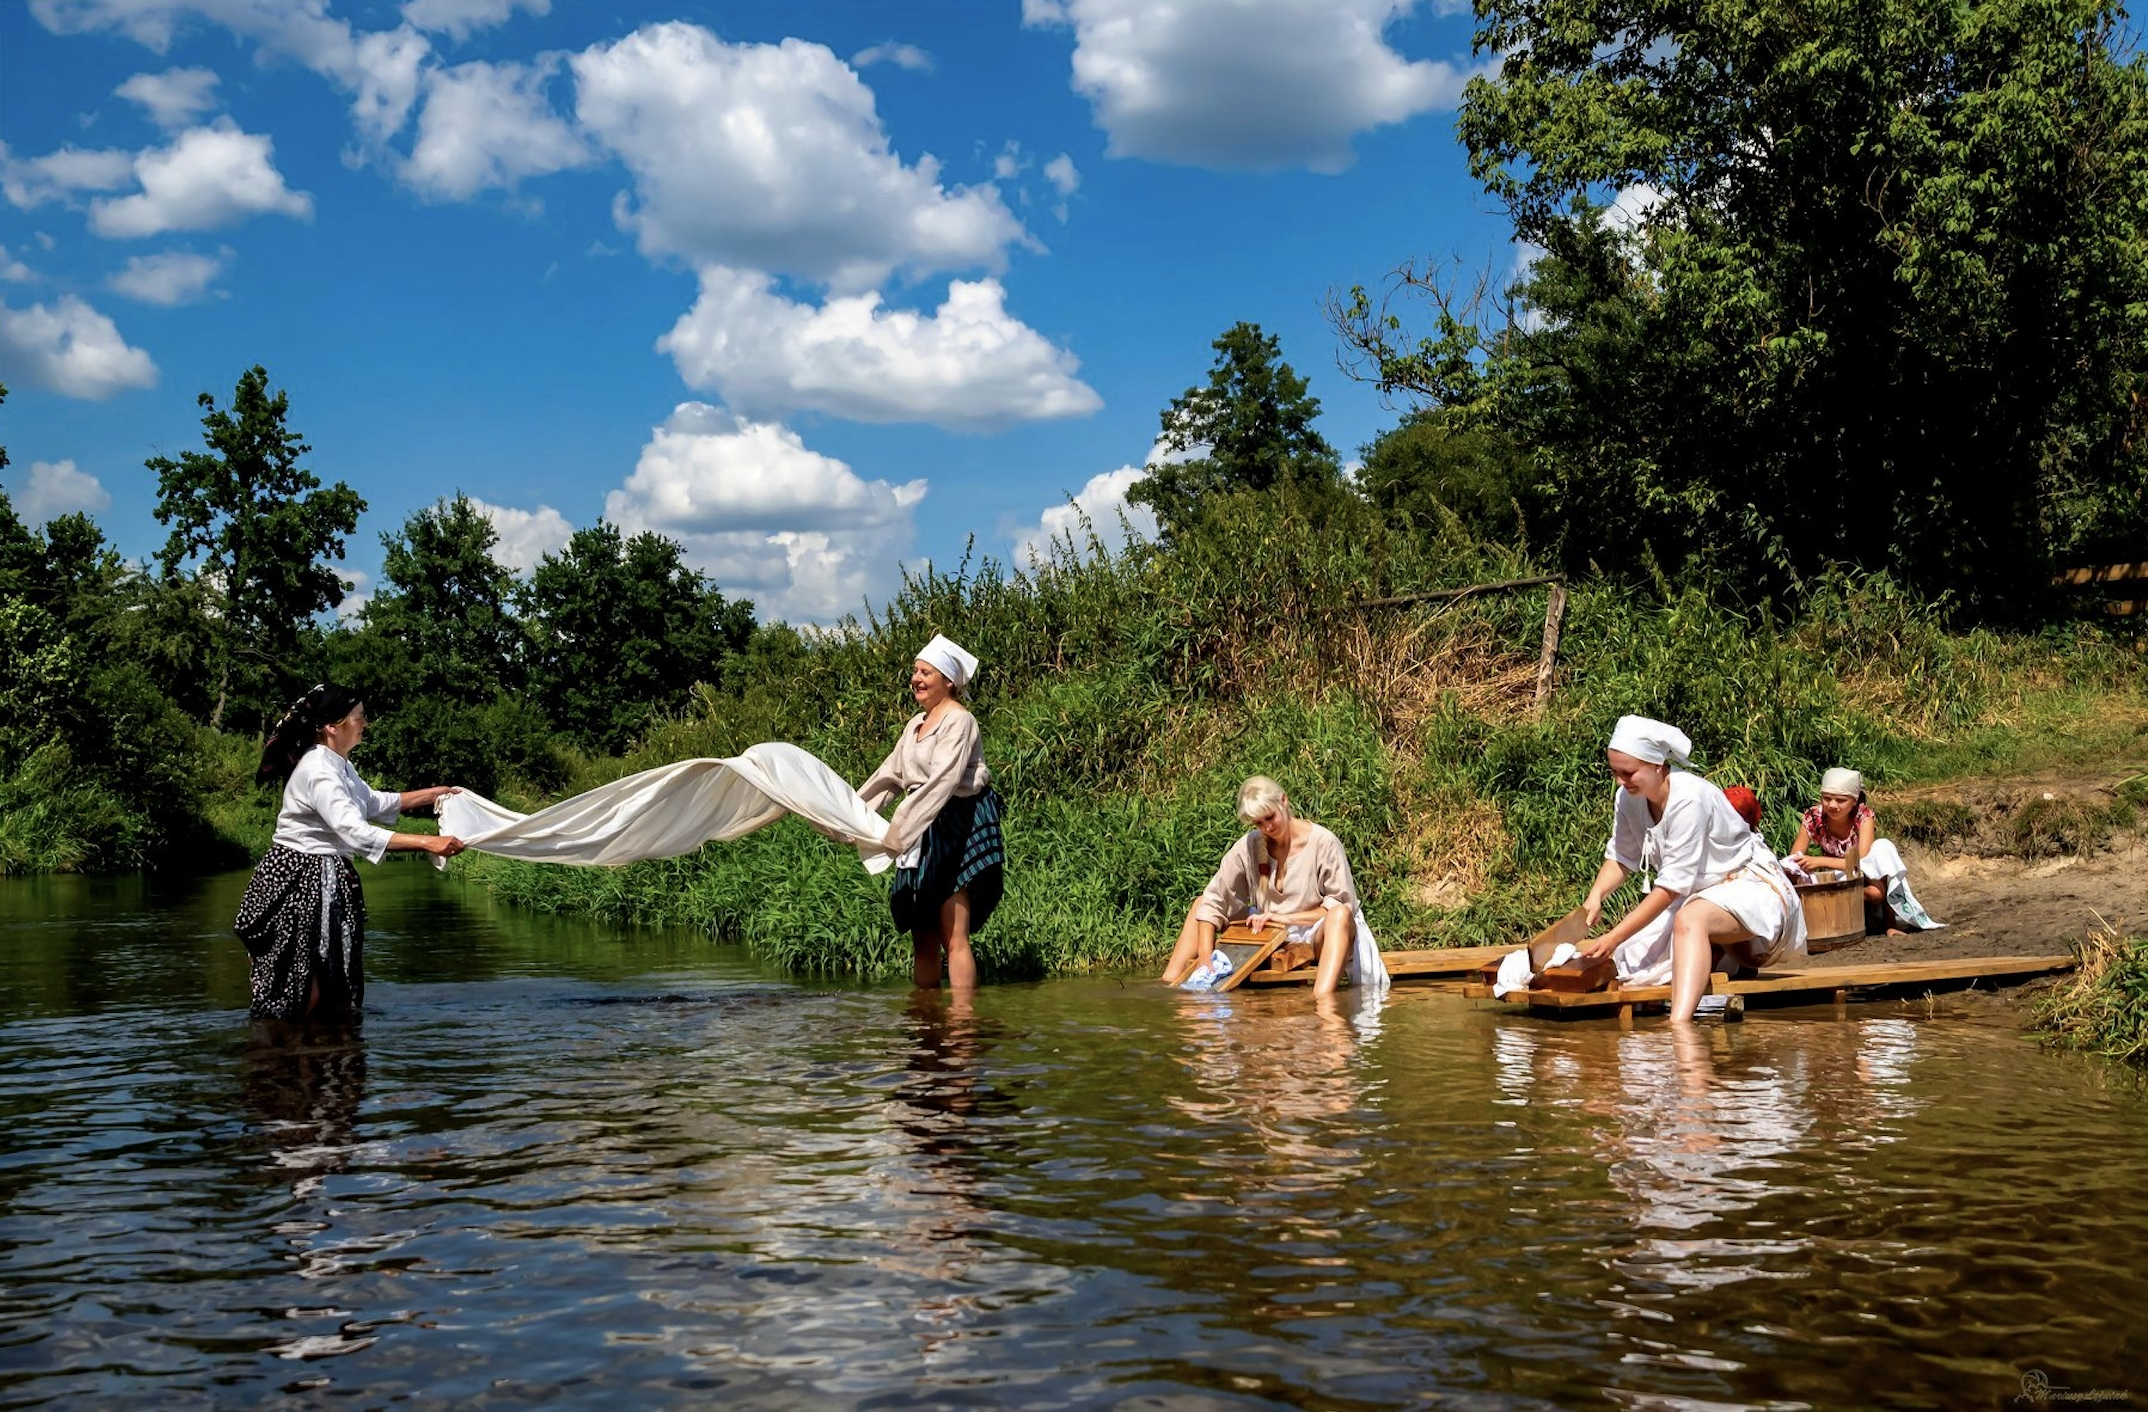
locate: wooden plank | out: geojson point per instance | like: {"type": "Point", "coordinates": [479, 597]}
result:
{"type": "Point", "coordinates": [1249, 951]}
{"type": "Point", "coordinates": [1828, 979]}
{"type": "Point", "coordinates": [1448, 595]}
{"type": "Point", "coordinates": [2100, 573]}
{"type": "Point", "coordinates": [1438, 961]}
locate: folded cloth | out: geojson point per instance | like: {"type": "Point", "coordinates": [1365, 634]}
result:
{"type": "Point", "coordinates": [1514, 972]}
{"type": "Point", "coordinates": [1884, 865]}
{"type": "Point", "coordinates": [673, 809]}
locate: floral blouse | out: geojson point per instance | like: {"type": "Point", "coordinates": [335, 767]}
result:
{"type": "Point", "coordinates": [1820, 841]}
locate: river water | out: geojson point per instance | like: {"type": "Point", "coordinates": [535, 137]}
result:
{"type": "Point", "coordinates": [575, 1167]}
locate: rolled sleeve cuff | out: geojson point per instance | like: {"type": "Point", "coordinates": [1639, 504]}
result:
{"type": "Point", "coordinates": [374, 846]}
{"type": "Point", "coordinates": [1207, 911]}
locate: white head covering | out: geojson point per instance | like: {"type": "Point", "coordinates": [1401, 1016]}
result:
{"type": "Point", "coordinates": [948, 660]}
{"type": "Point", "coordinates": [1651, 742]}
{"type": "Point", "coordinates": [1841, 781]}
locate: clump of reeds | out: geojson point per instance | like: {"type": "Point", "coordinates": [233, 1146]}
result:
{"type": "Point", "coordinates": [2102, 1007]}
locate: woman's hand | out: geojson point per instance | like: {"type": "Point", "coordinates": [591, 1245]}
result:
{"type": "Point", "coordinates": [1597, 946]}
{"type": "Point", "coordinates": [441, 845]}
{"type": "Point", "coordinates": [1592, 912]}
{"type": "Point", "coordinates": [424, 798]}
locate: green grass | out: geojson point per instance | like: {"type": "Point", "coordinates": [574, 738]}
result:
{"type": "Point", "coordinates": [2102, 1007]}
{"type": "Point", "coordinates": [1125, 695]}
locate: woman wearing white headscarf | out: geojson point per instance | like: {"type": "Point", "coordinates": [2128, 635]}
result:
{"type": "Point", "coordinates": [1714, 883]}
{"type": "Point", "coordinates": [949, 855]}
{"type": "Point", "coordinates": [1842, 823]}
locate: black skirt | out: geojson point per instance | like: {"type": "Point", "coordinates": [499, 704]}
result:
{"type": "Point", "coordinates": [303, 920]}
{"type": "Point", "coordinates": [963, 850]}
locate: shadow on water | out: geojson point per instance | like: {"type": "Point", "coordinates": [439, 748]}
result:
{"type": "Point", "coordinates": [563, 1165]}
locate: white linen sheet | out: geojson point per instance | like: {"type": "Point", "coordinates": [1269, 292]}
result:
{"type": "Point", "coordinates": [673, 809]}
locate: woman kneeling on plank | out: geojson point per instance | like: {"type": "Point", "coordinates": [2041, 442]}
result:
{"type": "Point", "coordinates": [949, 855]}
{"type": "Point", "coordinates": [1287, 872]}
{"type": "Point", "coordinates": [303, 916]}
{"type": "Point", "coordinates": [1715, 884]}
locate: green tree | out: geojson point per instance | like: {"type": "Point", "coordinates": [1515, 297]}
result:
{"type": "Point", "coordinates": [1250, 428]}
{"type": "Point", "coordinates": [260, 529]}
{"type": "Point", "coordinates": [447, 606]}
{"type": "Point", "coordinates": [18, 547]}
{"type": "Point", "coordinates": [1850, 284]}
{"type": "Point", "coordinates": [1434, 471]}
{"type": "Point", "coordinates": [621, 629]}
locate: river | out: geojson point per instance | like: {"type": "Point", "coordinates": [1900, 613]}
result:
{"type": "Point", "coordinates": [571, 1166]}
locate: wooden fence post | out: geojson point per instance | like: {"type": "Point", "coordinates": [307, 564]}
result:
{"type": "Point", "coordinates": [1554, 612]}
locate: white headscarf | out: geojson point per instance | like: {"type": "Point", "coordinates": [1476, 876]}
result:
{"type": "Point", "coordinates": [1841, 781]}
{"type": "Point", "coordinates": [1651, 742]}
{"type": "Point", "coordinates": [948, 660]}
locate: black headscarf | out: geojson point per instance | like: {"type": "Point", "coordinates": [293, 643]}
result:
{"type": "Point", "coordinates": [325, 705]}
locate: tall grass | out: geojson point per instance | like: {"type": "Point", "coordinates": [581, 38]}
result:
{"type": "Point", "coordinates": [1125, 694]}
{"type": "Point", "coordinates": [2102, 1007]}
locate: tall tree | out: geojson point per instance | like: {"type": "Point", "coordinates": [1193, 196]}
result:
{"type": "Point", "coordinates": [18, 547]}
{"type": "Point", "coordinates": [446, 605]}
{"type": "Point", "coordinates": [259, 527]}
{"type": "Point", "coordinates": [621, 629]}
{"type": "Point", "coordinates": [1250, 427]}
{"type": "Point", "coordinates": [1820, 285]}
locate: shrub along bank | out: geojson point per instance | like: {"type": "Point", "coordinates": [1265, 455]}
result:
{"type": "Point", "coordinates": [1124, 695]}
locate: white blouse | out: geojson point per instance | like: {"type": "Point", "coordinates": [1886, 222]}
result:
{"type": "Point", "coordinates": [928, 770]}
{"type": "Point", "coordinates": [1699, 841]}
{"type": "Point", "coordinates": [327, 809]}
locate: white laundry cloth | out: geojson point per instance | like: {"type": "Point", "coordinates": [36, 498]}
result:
{"type": "Point", "coordinates": [1514, 972]}
{"type": "Point", "coordinates": [1363, 968]}
{"type": "Point", "coordinates": [671, 810]}
{"type": "Point", "coordinates": [1884, 865]}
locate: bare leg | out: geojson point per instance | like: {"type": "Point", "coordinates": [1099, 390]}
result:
{"type": "Point", "coordinates": [1196, 939]}
{"type": "Point", "coordinates": [925, 958]}
{"type": "Point", "coordinates": [1337, 932]}
{"type": "Point", "coordinates": [1701, 926]}
{"type": "Point", "coordinates": [955, 937]}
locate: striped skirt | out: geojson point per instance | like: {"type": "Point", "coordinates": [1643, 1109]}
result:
{"type": "Point", "coordinates": [303, 920]}
{"type": "Point", "coordinates": [962, 851]}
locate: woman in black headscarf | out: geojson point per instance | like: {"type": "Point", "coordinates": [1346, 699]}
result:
{"type": "Point", "coordinates": [303, 918]}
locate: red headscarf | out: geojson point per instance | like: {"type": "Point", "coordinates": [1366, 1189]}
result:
{"type": "Point", "coordinates": [1746, 803]}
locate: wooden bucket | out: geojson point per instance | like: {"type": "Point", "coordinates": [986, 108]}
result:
{"type": "Point", "coordinates": [1834, 912]}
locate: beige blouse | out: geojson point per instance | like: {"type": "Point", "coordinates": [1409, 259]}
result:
{"type": "Point", "coordinates": [945, 762]}
{"type": "Point", "coordinates": [1316, 875]}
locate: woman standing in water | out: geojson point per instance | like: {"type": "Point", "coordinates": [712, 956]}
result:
{"type": "Point", "coordinates": [303, 917]}
{"type": "Point", "coordinates": [949, 856]}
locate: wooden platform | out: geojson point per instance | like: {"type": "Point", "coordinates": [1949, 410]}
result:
{"type": "Point", "coordinates": [1441, 962]}
{"type": "Point", "coordinates": [1818, 985]}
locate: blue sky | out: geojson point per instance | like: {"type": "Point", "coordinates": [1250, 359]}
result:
{"type": "Point", "coordinates": [817, 289]}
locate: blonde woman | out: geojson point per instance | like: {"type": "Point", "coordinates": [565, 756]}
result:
{"type": "Point", "coordinates": [1285, 872]}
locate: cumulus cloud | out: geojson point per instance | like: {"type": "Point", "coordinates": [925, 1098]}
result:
{"type": "Point", "coordinates": [772, 156]}
{"type": "Point", "coordinates": [378, 70]}
{"type": "Point", "coordinates": [902, 56]}
{"type": "Point", "coordinates": [1065, 178]}
{"type": "Point", "coordinates": [14, 271]}
{"type": "Point", "coordinates": [29, 182]}
{"type": "Point", "coordinates": [489, 125]}
{"type": "Point", "coordinates": [970, 365]}
{"type": "Point", "coordinates": [175, 277]}
{"type": "Point", "coordinates": [1252, 84]}
{"type": "Point", "coordinates": [525, 535]}
{"type": "Point", "coordinates": [56, 488]}
{"type": "Point", "coordinates": [70, 348]}
{"type": "Point", "coordinates": [768, 518]}
{"type": "Point", "coordinates": [356, 593]}
{"type": "Point", "coordinates": [459, 19]}
{"type": "Point", "coordinates": [1102, 503]}
{"type": "Point", "coordinates": [209, 176]}
{"type": "Point", "coordinates": [173, 98]}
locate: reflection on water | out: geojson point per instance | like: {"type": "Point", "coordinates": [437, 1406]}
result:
{"type": "Point", "coordinates": [582, 1168]}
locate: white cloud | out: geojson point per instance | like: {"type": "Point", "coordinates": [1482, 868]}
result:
{"type": "Point", "coordinates": [56, 488]}
{"type": "Point", "coordinates": [489, 125]}
{"type": "Point", "coordinates": [175, 277]}
{"type": "Point", "coordinates": [902, 56]}
{"type": "Point", "coordinates": [1010, 163]}
{"type": "Point", "coordinates": [1103, 503]}
{"type": "Point", "coordinates": [72, 349]}
{"type": "Point", "coordinates": [379, 70]}
{"type": "Point", "coordinates": [1629, 210]}
{"type": "Point", "coordinates": [459, 19]}
{"type": "Point", "coordinates": [209, 176]}
{"type": "Point", "coordinates": [969, 365]}
{"type": "Point", "coordinates": [1252, 84]}
{"type": "Point", "coordinates": [30, 182]}
{"type": "Point", "coordinates": [356, 595]}
{"type": "Point", "coordinates": [173, 98]}
{"type": "Point", "coordinates": [800, 533]}
{"type": "Point", "coordinates": [772, 156]}
{"type": "Point", "coordinates": [14, 271]}
{"type": "Point", "coordinates": [1065, 178]}
{"type": "Point", "coordinates": [525, 535]}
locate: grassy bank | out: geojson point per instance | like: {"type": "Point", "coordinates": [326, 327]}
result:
{"type": "Point", "coordinates": [2102, 1007]}
{"type": "Point", "coordinates": [1125, 695]}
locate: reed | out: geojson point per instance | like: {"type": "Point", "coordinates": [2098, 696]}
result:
{"type": "Point", "coordinates": [2101, 1007]}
